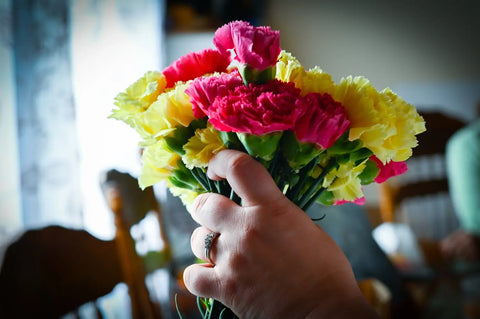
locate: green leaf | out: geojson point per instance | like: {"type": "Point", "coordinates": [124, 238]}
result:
{"type": "Point", "coordinates": [198, 124]}
{"type": "Point", "coordinates": [184, 175]}
{"type": "Point", "coordinates": [179, 138]}
{"type": "Point", "coordinates": [369, 173]}
{"type": "Point", "coordinates": [326, 198]}
{"type": "Point", "coordinates": [182, 134]}
{"type": "Point", "coordinates": [356, 157]}
{"type": "Point", "coordinates": [360, 155]}
{"type": "Point", "coordinates": [178, 183]}
{"type": "Point", "coordinates": [343, 145]}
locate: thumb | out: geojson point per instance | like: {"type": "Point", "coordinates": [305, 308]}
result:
{"type": "Point", "coordinates": [247, 177]}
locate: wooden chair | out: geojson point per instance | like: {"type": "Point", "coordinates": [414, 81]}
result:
{"type": "Point", "coordinates": [54, 270]}
{"type": "Point", "coordinates": [420, 199]}
{"type": "Point", "coordinates": [129, 205]}
{"type": "Point", "coordinates": [401, 197]}
{"type": "Point", "coordinates": [51, 271]}
{"type": "Point", "coordinates": [377, 295]}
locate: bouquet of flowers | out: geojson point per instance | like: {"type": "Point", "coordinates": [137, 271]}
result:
{"type": "Point", "coordinates": [320, 140]}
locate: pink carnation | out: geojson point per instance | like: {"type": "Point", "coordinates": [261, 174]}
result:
{"type": "Point", "coordinates": [358, 201]}
{"type": "Point", "coordinates": [256, 109]}
{"type": "Point", "coordinates": [323, 121]}
{"type": "Point", "coordinates": [196, 64]}
{"type": "Point", "coordinates": [203, 91]}
{"type": "Point", "coordinates": [258, 47]}
{"type": "Point", "coordinates": [389, 169]}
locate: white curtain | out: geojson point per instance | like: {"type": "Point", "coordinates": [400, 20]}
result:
{"type": "Point", "coordinates": [113, 43]}
{"type": "Point", "coordinates": [47, 135]}
{"type": "Point", "coordinates": [62, 63]}
{"type": "Point", "coordinates": [10, 211]}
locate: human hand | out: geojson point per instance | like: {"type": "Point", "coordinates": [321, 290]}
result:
{"type": "Point", "coordinates": [461, 245]}
{"type": "Point", "coordinates": [271, 260]}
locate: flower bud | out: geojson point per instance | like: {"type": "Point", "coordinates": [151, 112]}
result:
{"type": "Point", "coordinates": [251, 75]}
{"type": "Point", "coordinates": [262, 146]}
{"type": "Point", "coordinates": [298, 154]}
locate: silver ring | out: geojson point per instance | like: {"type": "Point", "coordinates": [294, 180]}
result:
{"type": "Point", "coordinates": [209, 239]}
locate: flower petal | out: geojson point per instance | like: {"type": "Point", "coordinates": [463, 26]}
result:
{"type": "Point", "coordinates": [258, 47]}
{"type": "Point", "coordinates": [196, 64]}
{"type": "Point", "coordinates": [390, 169]}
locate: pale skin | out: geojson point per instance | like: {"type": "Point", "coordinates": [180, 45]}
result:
{"type": "Point", "coordinates": [461, 245]}
{"type": "Point", "coordinates": [271, 260]}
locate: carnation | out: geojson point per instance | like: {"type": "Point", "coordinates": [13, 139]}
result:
{"type": "Point", "coordinates": [204, 90]}
{"type": "Point", "coordinates": [323, 121]}
{"type": "Point", "coordinates": [254, 109]}
{"type": "Point", "coordinates": [320, 141]}
{"type": "Point", "coordinates": [388, 170]}
{"type": "Point", "coordinates": [258, 47]}
{"type": "Point", "coordinates": [196, 64]}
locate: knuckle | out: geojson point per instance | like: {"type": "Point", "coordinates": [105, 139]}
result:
{"type": "Point", "coordinates": [194, 237]}
{"type": "Point", "coordinates": [193, 281]}
{"type": "Point", "coordinates": [199, 202]}
{"type": "Point", "coordinates": [250, 230]}
{"type": "Point", "coordinates": [199, 284]}
{"type": "Point", "coordinates": [237, 259]}
{"type": "Point", "coordinates": [238, 162]}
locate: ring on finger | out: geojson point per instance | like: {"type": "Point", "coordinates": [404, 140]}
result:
{"type": "Point", "coordinates": [209, 240]}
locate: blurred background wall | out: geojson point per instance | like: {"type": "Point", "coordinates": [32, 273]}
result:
{"type": "Point", "coordinates": [427, 51]}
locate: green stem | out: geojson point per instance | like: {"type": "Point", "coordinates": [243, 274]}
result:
{"type": "Point", "coordinates": [234, 197]}
{"type": "Point", "coordinates": [304, 199]}
{"type": "Point", "coordinates": [218, 187]}
{"type": "Point", "coordinates": [272, 169]}
{"type": "Point", "coordinates": [293, 192]}
{"type": "Point", "coordinates": [220, 311]}
{"type": "Point", "coordinates": [281, 184]}
{"type": "Point", "coordinates": [226, 189]}
{"type": "Point", "coordinates": [200, 177]}
{"type": "Point", "coordinates": [201, 307]}
{"type": "Point", "coordinates": [313, 199]}
{"type": "Point", "coordinates": [211, 184]}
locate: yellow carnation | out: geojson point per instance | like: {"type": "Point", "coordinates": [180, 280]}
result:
{"type": "Point", "coordinates": [186, 195]}
{"type": "Point", "coordinates": [158, 163]}
{"type": "Point", "coordinates": [138, 97]}
{"type": "Point", "coordinates": [200, 148]}
{"type": "Point", "coordinates": [408, 123]}
{"type": "Point", "coordinates": [315, 81]}
{"type": "Point", "coordinates": [344, 182]}
{"type": "Point", "coordinates": [172, 109]}
{"type": "Point", "coordinates": [385, 124]}
{"type": "Point", "coordinates": [288, 69]}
